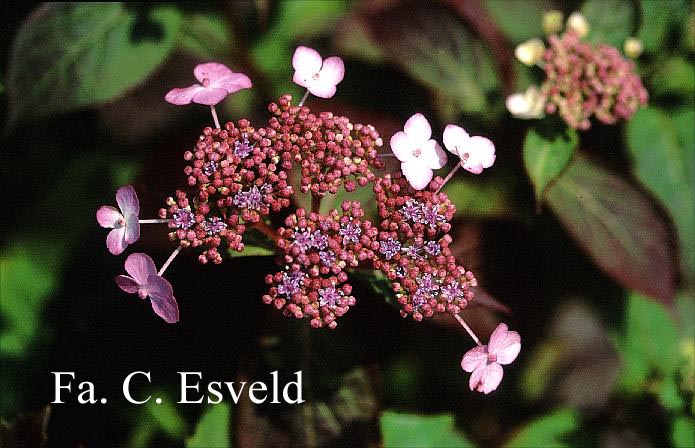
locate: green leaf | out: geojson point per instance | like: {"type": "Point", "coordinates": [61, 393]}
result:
{"type": "Point", "coordinates": [665, 166]}
{"type": "Point", "coordinates": [67, 56]}
{"type": "Point", "coordinates": [610, 21]}
{"type": "Point", "coordinates": [205, 36]}
{"type": "Point", "coordinates": [433, 46]}
{"type": "Point", "coordinates": [648, 343]}
{"type": "Point", "coordinates": [477, 197]}
{"type": "Point", "coordinates": [546, 153]}
{"type": "Point", "coordinates": [674, 76]}
{"type": "Point", "coordinates": [683, 432]}
{"type": "Point", "coordinates": [520, 20]}
{"type": "Point", "coordinates": [657, 18]}
{"type": "Point", "coordinates": [212, 430]}
{"type": "Point", "coordinates": [377, 282]}
{"type": "Point", "coordinates": [617, 226]}
{"type": "Point", "coordinates": [166, 416]}
{"type": "Point", "coordinates": [546, 431]}
{"type": "Point", "coordinates": [412, 430]}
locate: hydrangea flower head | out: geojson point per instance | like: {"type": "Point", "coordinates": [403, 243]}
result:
{"type": "Point", "coordinates": [319, 76]}
{"type": "Point", "coordinates": [217, 81]}
{"type": "Point", "coordinates": [125, 223]}
{"type": "Point", "coordinates": [145, 281]}
{"type": "Point", "coordinates": [476, 153]}
{"type": "Point", "coordinates": [485, 361]}
{"type": "Point", "coordinates": [419, 154]}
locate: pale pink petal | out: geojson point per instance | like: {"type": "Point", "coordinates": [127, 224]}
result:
{"type": "Point", "coordinates": [140, 266]}
{"type": "Point", "coordinates": [333, 70]}
{"type": "Point", "coordinates": [499, 334]}
{"type": "Point", "coordinates": [212, 71]}
{"type": "Point", "coordinates": [486, 379]}
{"type": "Point", "coordinates": [162, 298]}
{"type": "Point", "coordinates": [482, 150]}
{"type": "Point", "coordinates": [132, 229]}
{"type": "Point", "coordinates": [432, 155]}
{"type": "Point", "coordinates": [473, 167]}
{"type": "Point", "coordinates": [127, 201]}
{"type": "Point", "coordinates": [127, 284]}
{"type": "Point", "coordinates": [302, 78]}
{"type": "Point", "coordinates": [455, 139]}
{"type": "Point", "coordinates": [306, 60]}
{"type": "Point", "coordinates": [401, 146]}
{"type": "Point", "coordinates": [321, 88]}
{"type": "Point", "coordinates": [506, 345]}
{"type": "Point", "coordinates": [182, 96]}
{"type": "Point", "coordinates": [417, 173]}
{"type": "Point", "coordinates": [115, 241]}
{"type": "Point", "coordinates": [418, 129]}
{"type": "Point", "coordinates": [233, 82]}
{"type": "Point", "coordinates": [474, 358]}
{"type": "Point", "coordinates": [108, 216]}
{"type": "Point", "coordinates": [210, 97]}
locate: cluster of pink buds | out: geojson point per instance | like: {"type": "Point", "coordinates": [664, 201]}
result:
{"type": "Point", "coordinates": [330, 150]}
{"type": "Point", "coordinates": [317, 249]}
{"type": "Point", "coordinates": [413, 249]}
{"type": "Point", "coordinates": [237, 177]}
{"type": "Point", "coordinates": [584, 80]}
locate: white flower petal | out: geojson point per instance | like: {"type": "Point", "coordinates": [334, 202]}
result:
{"type": "Point", "coordinates": [417, 173]}
{"type": "Point", "coordinates": [455, 137]}
{"type": "Point", "coordinates": [418, 129]}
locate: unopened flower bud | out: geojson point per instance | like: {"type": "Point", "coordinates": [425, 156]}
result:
{"type": "Point", "coordinates": [530, 52]}
{"type": "Point", "coordinates": [577, 22]}
{"type": "Point", "coordinates": [552, 21]}
{"type": "Point", "coordinates": [633, 47]}
{"type": "Point", "coordinates": [527, 105]}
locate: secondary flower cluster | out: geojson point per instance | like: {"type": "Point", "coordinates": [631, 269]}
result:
{"type": "Point", "coordinates": [413, 249]}
{"type": "Point", "coordinates": [317, 249]}
{"type": "Point", "coordinates": [581, 80]}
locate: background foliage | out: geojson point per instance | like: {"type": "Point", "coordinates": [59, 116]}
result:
{"type": "Point", "coordinates": [588, 238]}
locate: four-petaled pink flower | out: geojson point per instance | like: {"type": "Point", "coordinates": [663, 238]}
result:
{"type": "Point", "coordinates": [476, 152]}
{"type": "Point", "coordinates": [418, 153]}
{"type": "Point", "coordinates": [319, 76]}
{"type": "Point", "coordinates": [216, 82]}
{"type": "Point", "coordinates": [485, 361]}
{"type": "Point", "coordinates": [145, 281]}
{"type": "Point", "coordinates": [125, 224]}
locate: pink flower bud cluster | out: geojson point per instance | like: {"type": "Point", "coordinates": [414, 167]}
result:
{"type": "Point", "coordinates": [583, 80]}
{"type": "Point", "coordinates": [317, 249]}
{"type": "Point", "coordinates": [330, 150]}
{"type": "Point", "coordinates": [238, 180]}
{"type": "Point", "coordinates": [412, 249]}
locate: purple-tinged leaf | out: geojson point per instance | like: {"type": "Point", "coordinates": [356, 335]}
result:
{"type": "Point", "coordinates": [617, 226]}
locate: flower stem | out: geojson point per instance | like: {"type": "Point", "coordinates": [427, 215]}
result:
{"type": "Point", "coordinates": [306, 95]}
{"type": "Point", "coordinates": [468, 329]}
{"type": "Point", "coordinates": [262, 227]}
{"type": "Point", "coordinates": [169, 260]}
{"type": "Point", "coordinates": [152, 221]}
{"type": "Point", "coordinates": [214, 116]}
{"type": "Point", "coordinates": [448, 176]}
{"type": "Point", "coordinates": [315, 203]}
{"type": "Point", "coordinates": [386, 154]}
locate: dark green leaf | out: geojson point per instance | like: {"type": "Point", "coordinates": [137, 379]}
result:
{"type": "Point", "coordinates": [657, 17]}
{"type": "Point", "coordinates": [674, 76]}
{"type": "Point", "coordinates": [520, 20]}
{"type": "Point", "coordinates": [617, 226]}
{"type": "Point", "coordinates": [412, 430]}
{"type": "Point", "coordinates": [546, 431]}
{"type": "Point", "coordinates": [67, 56]}
{"type": "Point", "coordinates": [546, 153]}
{"type": "Point", "coordinates": [212, 430]}
{"type": "Point", "coordinates": [665, 166]}
{"type": "Point", "coordinates": [648, 343]}
{"type": "Point", "coordinates": [610, 21]}
{"type": "Point", "coordinates": [477, 197]}
{"type": "Point", "coordinates": [433, 46]}
{"type": "Point", "coordinates": [205, 36]}
{"type": "Point", "coordinates": [683, 432]}
{"type": "Point", "coordinates": [377, 282]}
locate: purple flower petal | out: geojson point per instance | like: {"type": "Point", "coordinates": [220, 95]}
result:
{"type": "Point", "coordinates": [211, 71]}
{"type": "Point", "coordinates": [474, 358]}
{"type": "Point", "coordinates": [210, 96]}
{"type": "Point", "coordinates": [140, 266]}
{"type": "Point", "coordinates": [182, 96]}
{"type": "Point", "coordinates": [127, 201]}
{"type": "Point", "coordinates": [115, 241]}
{"type": "Point", "coordinates": [162, 298]}
{"type": "Point", "coordinates": [127, 284]}
{"type": "Point", "coordinates": [132, 229]}
{"type": "Point", "coordinates": [108, 216]}
{"type": "Point", "coordinates": [233, 82]}
{"type": "Point", "coordinates": [485, 379]}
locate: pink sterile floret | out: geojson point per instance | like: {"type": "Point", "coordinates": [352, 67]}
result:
{"type": "Point", "coordinates": [485, 361]}
{"type": "Point", "coordinates": [216, 82]}
{"type": "Point", "coordinates": [475, 153]}
{"type": "Point", "coordinates": [418, 153]}
{"type": "Point", "coordinates": [145, 281]}
{"type": "Point", "coordinates": [125, 224]}
{"type": "Point", "coordinates": [319, 76]}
